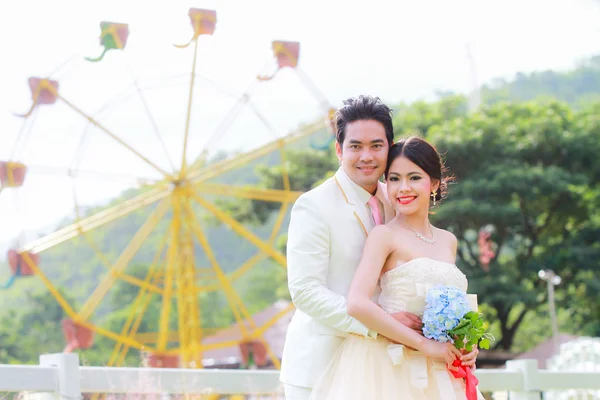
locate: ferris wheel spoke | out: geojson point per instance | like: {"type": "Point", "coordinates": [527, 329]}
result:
{"type": "Point", "coordinates": [95, 221]}
{"type": "Point", "coordinates": [123, 260]}
{"type": "Point", "coordinates": [238, 273]}
{"type": "Point", "coordinates": [259, 336]}
{"type": "Point", "coordinates": [236, 302]}
{"type": "Point", "coordinates": [115, 137]}
{"type": "Point", "coordinates": [255, 259]}
{"type": "Point", "coordinates": [284, 171]}
{"type": "Point", "coordinates": [92, 175]}
{"type": "Point", "coordinates": [120, 350]}
{"type": "Point", "coordinates": [159, 136]}
{"type": "Point", "coordinates": [124, 277]}
{"type": "Point", "coordinates": [220, 167]}
{"type": "Point", "coordinates": [188, 116]}
{"type": "Point", "coordinates": [240, 229]}
{"type": "Point", "coordinates": [24, 134]}
{"type": "Point", "coordinates": [59, 298]}
{"type": "Point", "coordinates": [267, 325]}
{"type": "Point", "coordinates": [230, 117]}
{"type": "Point", "coordinates": [230, 292]}
{"type": "Point", "coordinates": [190, 324]}
{"type": "Point", "coordinates": [112, 335]}
{"type": "Point", "coordinates": [144, 298]}
{"type": "Point", "coordinates": [312, 88]}
{"type": "Point", "coordinates": [171, 262]}
{"type": "Point", "coordinates": [263, 119]}
{"type": "Point", "coordinates": [127, 278]}
{"type": "Point", "coordinates": [271, 195]}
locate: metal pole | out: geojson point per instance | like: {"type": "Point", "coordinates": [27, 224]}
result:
{"type": "Point", "coordinates": [552, 280]}
{"type": "Point", "coordinates": [552, 308]}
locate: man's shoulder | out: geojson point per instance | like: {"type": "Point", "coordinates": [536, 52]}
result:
{"type": "Point", "coordinates": [326, 189]}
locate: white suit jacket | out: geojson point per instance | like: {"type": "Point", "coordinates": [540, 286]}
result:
{"type": "Point", "coordinates": [326, 236]}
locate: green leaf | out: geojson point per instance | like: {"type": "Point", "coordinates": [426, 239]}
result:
{"type": "Point", "coordinates": [484, 344]}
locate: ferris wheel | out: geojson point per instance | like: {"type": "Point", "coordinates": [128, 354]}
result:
{"type": "Point", "coordinates": [158, 181]}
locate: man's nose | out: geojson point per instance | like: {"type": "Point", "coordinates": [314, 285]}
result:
{"type": "Point", "coordinates": [366, 155]}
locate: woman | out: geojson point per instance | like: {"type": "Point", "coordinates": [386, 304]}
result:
{"type": "Point", "coordinates": [404, 257]}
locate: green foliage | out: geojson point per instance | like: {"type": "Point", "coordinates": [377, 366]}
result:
{"type": "Point", "coordinates": [471, 331]}
{"type": "Point", "coordinates": [32, 329]}
{"type": "Point", "coordinates": [525, 170]}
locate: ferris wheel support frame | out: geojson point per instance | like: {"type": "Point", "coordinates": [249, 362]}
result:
{"type": "Point", "coordinates": [180, 191]}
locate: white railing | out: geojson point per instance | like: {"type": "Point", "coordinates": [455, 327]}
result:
{"type": "Point", "coordinates": [59, 376]}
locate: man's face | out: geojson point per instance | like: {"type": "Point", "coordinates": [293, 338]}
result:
{"type": "Point", "coordinates": [364, 152]}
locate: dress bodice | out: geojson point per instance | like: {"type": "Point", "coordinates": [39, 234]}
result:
{"type": "Point", "coordinates": [404, 287]}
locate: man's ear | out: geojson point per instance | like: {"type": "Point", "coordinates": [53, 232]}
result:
{"type": "Point", "coordinates": [338, 150]}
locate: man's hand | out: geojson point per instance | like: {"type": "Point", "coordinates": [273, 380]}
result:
{"type": "Point", "coordinates": [409, 320]}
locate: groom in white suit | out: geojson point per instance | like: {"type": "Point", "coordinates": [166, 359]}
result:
{"type": "Point", "coordinates": [326, 235]}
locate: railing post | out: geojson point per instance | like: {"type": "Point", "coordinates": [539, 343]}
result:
{"type": "Point", "coordinates": [69, 377]}
{"type": "Point", "coordinates": [529, 371]}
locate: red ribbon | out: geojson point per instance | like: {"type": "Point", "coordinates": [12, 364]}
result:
{"type": "Point", "coordinates": [471, 381]}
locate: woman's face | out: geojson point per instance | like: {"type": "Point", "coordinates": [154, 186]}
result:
{"type": "Point", "coordinates": [409, 187]}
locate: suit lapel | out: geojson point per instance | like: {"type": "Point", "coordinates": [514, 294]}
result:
{"type": "Point", "coordinates": [360, 210]}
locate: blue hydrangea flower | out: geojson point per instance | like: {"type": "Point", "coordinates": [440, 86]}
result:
{"type": "Point", "coordinates": [445, 307]}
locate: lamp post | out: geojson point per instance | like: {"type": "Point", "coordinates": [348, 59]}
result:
{"type": "Point", "coordinates": [552, 280]}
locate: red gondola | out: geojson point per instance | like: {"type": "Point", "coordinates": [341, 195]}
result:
{"type": "Point", "coordinates": [12, 174]}
{"type": "Point", "coordinates": [163, 361]}
{"type": "Point", "coordinates": [18, 265]}
{"type": "Point", "coordinates": [76, 335]}
{"type": "Point", "coordinates": [257, 350]}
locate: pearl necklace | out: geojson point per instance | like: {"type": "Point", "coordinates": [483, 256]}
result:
{"type": "Point", "coordinates": [423, 238]}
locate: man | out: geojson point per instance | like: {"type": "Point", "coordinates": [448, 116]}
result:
{"type": "Point", "coordinates": [327, 232]}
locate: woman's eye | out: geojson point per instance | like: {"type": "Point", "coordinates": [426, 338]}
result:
{"type": "Point", "coordinates": [415, 178]}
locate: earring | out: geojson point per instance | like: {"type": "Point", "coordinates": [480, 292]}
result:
{"type": "Point", "coordinates": [433, 197]}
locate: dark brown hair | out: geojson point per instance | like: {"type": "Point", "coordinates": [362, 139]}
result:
{"type": "Point", "coordinates": [363, 107]}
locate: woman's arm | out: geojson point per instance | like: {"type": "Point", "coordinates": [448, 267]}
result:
{"type": "Point", "coordinates": [377, 249]}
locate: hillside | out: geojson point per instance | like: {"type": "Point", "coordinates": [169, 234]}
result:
{"type": "Point", "coordinates": [575, 87]}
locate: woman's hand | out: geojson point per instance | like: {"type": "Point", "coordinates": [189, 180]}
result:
{"type": "Point", "coordinates": [445, 351]}
{"type": "Point", "coordinates": [469, 358]}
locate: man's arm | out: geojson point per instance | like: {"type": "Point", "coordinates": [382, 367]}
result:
{"type": "Point", "coordinates": [308, 255]}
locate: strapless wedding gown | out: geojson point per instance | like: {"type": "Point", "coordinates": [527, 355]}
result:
{"type": "Point", "coordinates": [365, 369]}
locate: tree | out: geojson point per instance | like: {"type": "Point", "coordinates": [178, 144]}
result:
{"type": "Point", "coordinates": [525, 170]}
{"type": "Point", "coordinates": [31, 330]}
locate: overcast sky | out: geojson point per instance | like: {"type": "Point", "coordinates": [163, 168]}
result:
{"type": "Point", "coordinates": [398, 50]}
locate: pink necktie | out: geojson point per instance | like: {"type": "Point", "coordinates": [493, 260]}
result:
{"type": "Point", "coordinates": [374, 204]}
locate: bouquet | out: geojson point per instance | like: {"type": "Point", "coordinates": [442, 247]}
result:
{"type": "Point", "coordinates": [449, 317]}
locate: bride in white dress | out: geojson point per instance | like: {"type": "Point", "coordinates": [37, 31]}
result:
{"type": "Point", "coordinates": [404, 258]}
